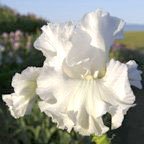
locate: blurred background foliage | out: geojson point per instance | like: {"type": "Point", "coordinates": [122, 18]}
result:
{"type": "Point", "coordinates": [10, 20]}
{"type": "Point", "coordinates": [17, 34]}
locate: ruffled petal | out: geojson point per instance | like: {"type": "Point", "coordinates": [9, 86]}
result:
{"type": "Point", "coordinates": [91, 41]}
{"type": "Point", "coordinates": [72, 103]}
{"type": "Point", "coordinates": [134, 74]}
{"type": "Point", "coordinates": [83, 57]}
{"type": "Point", "coordinates": [21, 101]}
{"type": "Point", "coordinates": [103, 29]}
{"type": "Point", "coordinates": [54, 42]}
{"type": "Point", "coordinates": [116, 77]}
{"type": "Point", "coordinates": [119, 92]}
{"type": "Point", "coordinates": [80, 103]}
{"type": "Point", "coordinates": [87, 43]}
{"type": "Point", "coordinates": [117, 115]}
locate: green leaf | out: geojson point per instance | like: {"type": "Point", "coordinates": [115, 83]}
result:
{"type": "Point", "coordinates": [101, 139]}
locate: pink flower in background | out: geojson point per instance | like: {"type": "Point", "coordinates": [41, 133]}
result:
{"type": "Point", "coordinates": [117, 46]}
{"type": "Point", "coordinates": [17, 36]}
{"type": "Point", "coordinates": [11, 35]}
{"type": "Point", "coordinates": [16, 45]}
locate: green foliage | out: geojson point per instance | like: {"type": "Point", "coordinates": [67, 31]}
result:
{"type": "Point", "coordinates": [7, 15]}
{"type": "Point", "coordinates": [101, 139]}
{"type": "Point", "coordinates": [33, 129]}
{"type": "Point", "coordinates": [133, 40]}
{"type": "Point", "coordinates": [11, 21]}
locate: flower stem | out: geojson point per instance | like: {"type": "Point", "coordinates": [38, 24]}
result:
{"type": "Point", "coordinates": [101, 139]}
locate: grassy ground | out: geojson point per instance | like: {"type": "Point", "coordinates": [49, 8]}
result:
{"type": "Point", "coordinates": [133, 40]}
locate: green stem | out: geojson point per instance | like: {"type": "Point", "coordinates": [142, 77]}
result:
{"type": "Point", "coordinates": [101, 139]}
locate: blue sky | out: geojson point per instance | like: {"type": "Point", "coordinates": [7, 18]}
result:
{"type": "Point", "coordinates": [132, 11]}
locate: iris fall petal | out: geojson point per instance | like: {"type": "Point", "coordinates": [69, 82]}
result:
{"type": "Point", "coordinates": [21, 101]}
{"type": "Point", "coordinates": [86, 100]}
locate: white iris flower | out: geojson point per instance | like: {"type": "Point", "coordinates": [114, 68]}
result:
{"type": "Point", "coordinates": [21, 101]}
{"type": "Point", "coordinates": [78, 83]}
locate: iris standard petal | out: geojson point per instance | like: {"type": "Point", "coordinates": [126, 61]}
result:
{"type": "Point", "coordinates": [103, 29]}
{"type": "Point", "coordinates": [90, 40]}
{"type": "Point", "coordinates": [21, 101]}
{"type": "Point", "coordinates": [55, 42]}
{"type": "Point", "coordinates": [83, 57]}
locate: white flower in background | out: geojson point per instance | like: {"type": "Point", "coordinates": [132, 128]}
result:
{"type": "Point", "coordinates": [78, 84]}
{"type": "Point", "coordinates": [21, 101]}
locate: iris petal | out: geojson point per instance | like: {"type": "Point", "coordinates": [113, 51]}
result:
{"type": "Point", "coordinates": [91, 39]}
{"type": "Point", "coordinates": [134, 74]}
{"type": "Point", "coordinates": [55, 42]}
{"type": "Point", "coordinates": [21, 102]}
{"type": "Point", "coordinates": [102, 28]}
{"type": "Point", "coordinates": [80, 103]}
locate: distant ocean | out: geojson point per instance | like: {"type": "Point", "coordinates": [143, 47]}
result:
{"type": "Point", "coordinates": [134, 27]}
